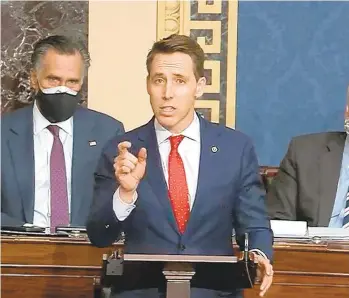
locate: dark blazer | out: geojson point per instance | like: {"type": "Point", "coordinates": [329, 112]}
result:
{"type": "Point", "coordinates": [306, 184]}
{"type": "Point", "coordinates": [229, 195]}
{"type": "Point", "coordinates": [17, 162]}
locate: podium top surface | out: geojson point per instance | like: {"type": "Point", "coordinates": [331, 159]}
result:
{"type": "Point", "coordinates": [179, 258]}
{"type": "Point", "coordinates": [279, 244]}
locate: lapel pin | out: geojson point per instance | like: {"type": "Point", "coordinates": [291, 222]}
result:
{"type": "Point", "coordinates": [92, 143]}
{"type": "Point", "coordinates": [214, 149]}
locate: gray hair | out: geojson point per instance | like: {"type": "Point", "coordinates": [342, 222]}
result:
{"type": "Point", "coordinates": [62, 45]}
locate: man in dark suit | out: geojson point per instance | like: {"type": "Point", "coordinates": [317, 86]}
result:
{"type": "Point", "coordinates": [50, 149]}
{"type": "Point", "coordinates": [180, 184]}
{"type": "Point", "coordinates": [313, 180]}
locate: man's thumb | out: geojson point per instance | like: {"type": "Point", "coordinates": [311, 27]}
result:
{"type": "Point", "coordinates": [142, 155]}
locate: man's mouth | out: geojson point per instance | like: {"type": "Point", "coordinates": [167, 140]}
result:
{"type": "Point", "coordinates": [167, 109]}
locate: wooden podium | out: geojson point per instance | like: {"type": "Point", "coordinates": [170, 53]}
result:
{"type": "Point", "coordinates": [179, 269]}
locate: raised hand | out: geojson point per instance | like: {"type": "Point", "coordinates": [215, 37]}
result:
{"type": "Point", "coordinates": [129, 170]}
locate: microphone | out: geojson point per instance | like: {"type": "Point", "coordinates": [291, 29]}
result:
{"type": "Point", "coordinates": [251, 275]}
{"type": "Point", "coordinates": [246, 251]}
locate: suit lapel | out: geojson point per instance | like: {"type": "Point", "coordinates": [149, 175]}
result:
{"type": "Point", "coordinates": [154, 173]}
{"type": "Point", "coordinates": [208, 137]}
{"type": "Point", "coordinates": [330, 165]}
{"type": "Point", "coordinates": [21, 147]}
{"type": "Point", "coordinates": [82, 135]}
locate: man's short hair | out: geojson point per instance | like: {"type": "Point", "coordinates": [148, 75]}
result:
{"type": "Point", "coordinates": [183, 44]}
{"type": "Point", "coordinates": [62, 45]}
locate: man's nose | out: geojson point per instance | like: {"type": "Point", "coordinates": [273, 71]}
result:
{"type": "Point", "coordinates": [168, 91]}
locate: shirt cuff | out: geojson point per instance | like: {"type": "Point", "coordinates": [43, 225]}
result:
{"type": "Point", "coordinates": [121, 209]}
{"type": "Point", "coordinates": [259, 252]}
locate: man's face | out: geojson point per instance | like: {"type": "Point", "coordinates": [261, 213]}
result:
{"type": "Point", "coordinates": [58, 70]}
{"type": "Point", "coordinates": [173, 88]}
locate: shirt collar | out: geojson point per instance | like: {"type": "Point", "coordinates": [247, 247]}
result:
{"type": "Point", "coordinates": [40, 122]}
{"type": "Point", "coordinates": [192, 131]}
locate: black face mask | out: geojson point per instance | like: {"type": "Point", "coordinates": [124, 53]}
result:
{"type": "Point", "coordinates": [57, 107]}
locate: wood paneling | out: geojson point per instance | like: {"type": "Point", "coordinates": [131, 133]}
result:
{"type": "Point", "coordinates": [64, 268]}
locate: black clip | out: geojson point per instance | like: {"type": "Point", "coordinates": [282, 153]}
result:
{"type": "Point", "coordinates": [113, 267]}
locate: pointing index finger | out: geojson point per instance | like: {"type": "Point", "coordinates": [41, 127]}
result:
{"type": "Point", "coordinates": [123, 146]}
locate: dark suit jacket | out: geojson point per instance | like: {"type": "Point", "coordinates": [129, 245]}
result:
{"type": "Point", "coordinates": [17, 163]}
{"type": "Point", "coordinates": [229, 195]}
{"type": "Point", "coordinates": [306, 184]}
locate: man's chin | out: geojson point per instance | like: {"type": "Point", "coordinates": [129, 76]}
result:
{"type": "Point", "coordinates": [166, 122]}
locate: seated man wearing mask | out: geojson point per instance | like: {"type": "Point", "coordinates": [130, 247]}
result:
{"type": "Point", "coordinates": [50, 149]}
{"type": "Point", "coordinates": [313, 180]}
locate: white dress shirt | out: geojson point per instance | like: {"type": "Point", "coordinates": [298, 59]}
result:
{"type": "Point", "coordinates": [188, 149]}
{"type": "Point", "coordinates": [43, 142]}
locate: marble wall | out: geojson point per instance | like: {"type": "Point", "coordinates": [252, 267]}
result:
{"type": "Point", "coordinates": [23, 23]}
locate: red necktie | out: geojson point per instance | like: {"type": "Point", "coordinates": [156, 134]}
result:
{"type": "Point", "coordinates": [177, 185]}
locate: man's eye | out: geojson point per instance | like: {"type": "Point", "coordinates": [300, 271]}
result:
{"type": "Point", "coordinates": [180, 81]}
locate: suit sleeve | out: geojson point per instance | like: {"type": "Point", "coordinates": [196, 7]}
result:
{"type": "Point", "coordinates": [8, 221]}
{"type": "Point", "coordinates": [250, 215]}
{"type": "Point", "coordinates": [103, 227]}
{"type": "Point", "coordinates": [282, 193]}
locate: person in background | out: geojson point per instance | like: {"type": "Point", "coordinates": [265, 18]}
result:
{"type": "Point", "coordinates": [180, 184]}
{"type": "Point", "coordinates": [313, 180]}
{"type": "Point", "coordinates": [50, 149]}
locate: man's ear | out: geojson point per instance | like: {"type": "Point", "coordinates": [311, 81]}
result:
{"type": "Point", "coordinates": [200, 86]}
{"type": "Point", "coordinates": [34, 80]}
{"type": "Point", "coordinates": [148, 82]}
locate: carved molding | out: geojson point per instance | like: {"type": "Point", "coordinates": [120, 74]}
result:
{"type": "Point", "coordinates": [170, 18]}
